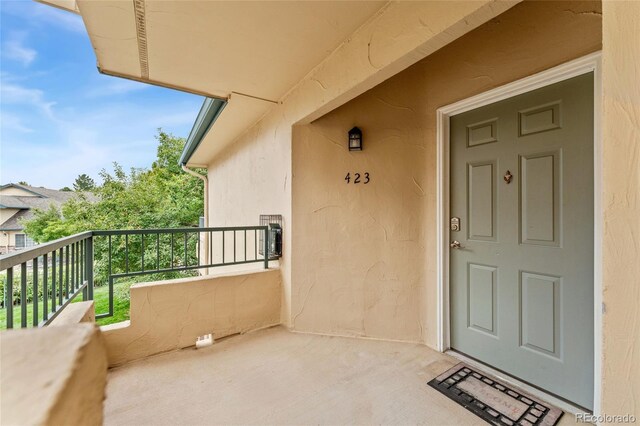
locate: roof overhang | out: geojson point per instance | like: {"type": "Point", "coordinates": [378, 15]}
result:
{"type": "Point", "coordinates": [216, 48]}
{"type": "Point", "coordinates": [22, 188]}
{"type": "Point", "coordinates": [250, 56]}
{"type": "Point", "coordinates": [209, 112]}
{"type": "Point", "coordinates": [246, 55]}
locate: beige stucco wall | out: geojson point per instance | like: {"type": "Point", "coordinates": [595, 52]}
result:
{"type": "Point", "coordinates": [52, 376]}
{"type": "Point", "coordinates": [8, 241]}
{"type": "Point", "coordinates": [7, 238]}
{"type": "Point", "coordinates": [169, 315]}
{"type": "Point", "coordinates": [362, 260]}
{"type": "Point", "coordinates": [5, 214]}
{"type": "Point", "coordinates": [253, 175]}
{"type": "Point", "coordinates": [365, 255]}
{"type": "Point", "coordinates": [621, 202]}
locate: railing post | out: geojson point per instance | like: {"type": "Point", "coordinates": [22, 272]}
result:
{"type": "Point", "coordinates": [8, 294]}
{"type": "Point", "coordinates": [23, 295]}
{"type": "Point", "coordinates": [89, 266]}
{"type": "Point", "coordinates": [266, 247]}
{"type": "Point", "coordinates": [34, 297]}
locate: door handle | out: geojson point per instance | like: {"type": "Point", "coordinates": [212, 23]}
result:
{"type": "Point", "coordinates": [455, 244]}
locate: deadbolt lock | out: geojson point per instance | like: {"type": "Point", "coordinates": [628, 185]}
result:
{"type": "Point", "coordinates": [455, 224]}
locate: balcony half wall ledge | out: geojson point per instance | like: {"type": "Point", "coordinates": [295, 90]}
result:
{"type": "Point", "coordinates": [67, 362]}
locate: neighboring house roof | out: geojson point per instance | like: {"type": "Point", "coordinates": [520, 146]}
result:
{"type": "Point", "coordinates": [42, 199]}
{"type": "Point", "coordinates": [13, 223]}
{"type": "Point", "coordinates": [12, 202]}
{"type": "Point", "coordinates": [21, 187]}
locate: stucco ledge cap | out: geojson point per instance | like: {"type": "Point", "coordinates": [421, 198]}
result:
{"type": "Point", "coordinates": [49, 358]}
{"type": "Point", "coordinates": [203, 278]}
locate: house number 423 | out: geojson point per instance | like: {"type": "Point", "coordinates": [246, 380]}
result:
{"type": "Point", "coordinates": [358, 178]}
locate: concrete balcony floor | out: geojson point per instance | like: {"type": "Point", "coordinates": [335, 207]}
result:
{"type": "Point", "coordinates": [274, 376]}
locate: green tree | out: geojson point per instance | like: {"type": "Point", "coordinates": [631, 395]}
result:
{"type": "Point", "coordinates": [47, 225]}
{"type": "Point", "coordinates": [84, 183]}
{"type": "Point", "coordinates": [66, 189]}
{"type": "Point", "coordinates": [23, 183]}
{"type": "Point", "coordinates": [163, 196]}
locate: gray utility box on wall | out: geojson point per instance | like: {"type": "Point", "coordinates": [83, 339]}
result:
{"type": "Point", "coordinates": [274, 222]}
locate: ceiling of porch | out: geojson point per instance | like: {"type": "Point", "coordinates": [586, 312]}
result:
{"type": "Point", "coordinates": [250, 54]}
{"type": "Point", "coordinates": [253, 54]}
{"type": "Point", "coordinates": [216, 48]}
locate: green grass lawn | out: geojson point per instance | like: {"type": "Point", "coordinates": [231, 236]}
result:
{"type": "Point", "coordinates": [101, 300]}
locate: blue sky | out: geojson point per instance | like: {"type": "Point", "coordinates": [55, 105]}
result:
{"type": "Point", "coordinates": [59, 116]}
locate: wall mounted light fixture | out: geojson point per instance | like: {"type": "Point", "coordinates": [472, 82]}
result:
{"type": "Point", "coordinates": [355, 139]}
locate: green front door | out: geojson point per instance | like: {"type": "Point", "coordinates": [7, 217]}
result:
{"type": "Point", "coordinates": [522, 279]}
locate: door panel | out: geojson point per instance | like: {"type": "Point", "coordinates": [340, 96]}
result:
{"type": "Point", "coordinates": [540, 314]}
{"type": "Point", "coordinates": [540, 198]}
{"type": "Point", "coordinates": [482, 133]}
{"type": "Point", "coordinates": [482, 298]}
{"type": "Point", "coordinates": [481, 200]}
{"type": "Point", "coordinates": [522, 285]}
{"type": "Point", "coordinates": [539, 118]}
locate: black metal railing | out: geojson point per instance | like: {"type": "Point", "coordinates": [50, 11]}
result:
{"type": "Point", "coordinates": [44, 279]}
{"type": "Point", "coordinates": [41, 281]}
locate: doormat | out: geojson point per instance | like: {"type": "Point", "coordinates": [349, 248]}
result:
{"type": "Point", "coordinates": [493, 400]}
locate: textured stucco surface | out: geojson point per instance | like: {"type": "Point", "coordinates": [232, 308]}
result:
{"type": "Point", "coordinates": [5, 214]}
{"type": "Point", "coordinates": [252, 176]}
{"type": "Point", "coordinates": [396, 36]}
{"type": "Point", "coordinates": [170, 315]}
{"type": "Point", "coordinates": [75, 313]}
{"type": "Point", "coordinates": [621, 205]}
{"type": "Point", "coordinates": [364, 259]}
{"type": "Point", "coordinates": [53, 376]}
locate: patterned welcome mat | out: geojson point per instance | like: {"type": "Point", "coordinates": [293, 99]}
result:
{"type": "Point", "coordinates": [493, 400]}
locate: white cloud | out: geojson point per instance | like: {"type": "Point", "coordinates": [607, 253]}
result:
{"type": "Point", "coordinates": [59, 18]}
{"type": "Point", "coordinates": [50, 135]}
{"type": "Point", "coordinates": [43, 14]}
{"type": "Point", "coordinates": [16, 94]}
{"type": "Point", "coordinates": [85, 139]}
{"type": "Point", "coordinates": [15, 49]}
{"type": "Point", "coordinates": [115, 86]}
{"type": "Point", "coordinates": [13, 122]}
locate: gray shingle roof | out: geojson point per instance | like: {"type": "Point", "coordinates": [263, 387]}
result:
{"type": "Point", "coordinates": [27, 204]}
{"type": "Point", "coordinates": [12, 202]}
{"type": "Point", "coordinates": [13, 223]}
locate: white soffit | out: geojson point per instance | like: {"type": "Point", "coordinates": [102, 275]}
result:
{"type": "Point", "coordinates": [112, 30]}
{"type": "Point", "coordinates": [253, 53]}
{"type": "Point", "coordinates": [258, 48]}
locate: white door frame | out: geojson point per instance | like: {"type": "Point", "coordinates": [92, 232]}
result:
{"type": "Point", "coordinates": [583, 65]}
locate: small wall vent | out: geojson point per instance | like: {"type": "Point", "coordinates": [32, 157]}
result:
{"type": "Point", "coordinates": [274, 222]}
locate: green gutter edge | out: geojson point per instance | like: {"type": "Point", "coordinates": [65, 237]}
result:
{"type": "Point", "coordinates": [209, 113]}
{"type": "Point", "coordinates": [6, 206]}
